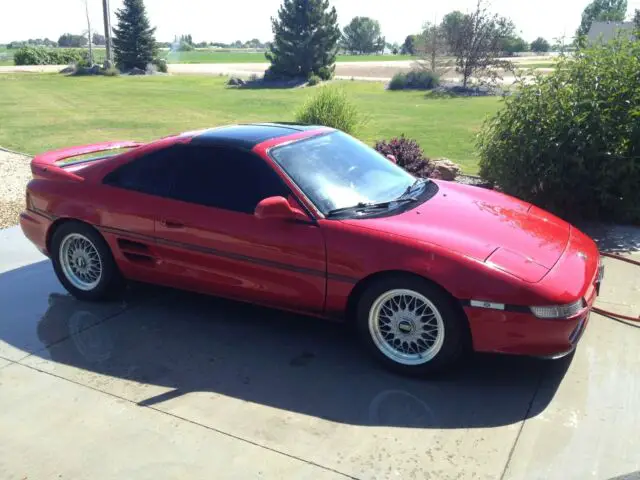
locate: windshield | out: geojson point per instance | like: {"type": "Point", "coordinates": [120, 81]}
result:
{"type": "Point", "coordinates": [337, 171]}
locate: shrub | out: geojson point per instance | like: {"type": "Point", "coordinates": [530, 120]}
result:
{"type": "Point", "coordinates": [47, 56]}
{"type": "Point", "coordinates": [570, 142]}
{"type": "Point", "coordinates": [314, 80]}
{"type": "Point", "coordinates": [408, 155]}
{"type": "Point", "coordinates": [111, 72]}
{"type": "Point", "coordinates": [330, 107]}
{"type": "Point", "coordinates": [160, 64]}
{"type": "Point", "coordinates": [422, 79]}
{"type": "Point", "coordinates": [415, 80]}
{"type": "Point", "coordinates": [31, 56]}
{"type": "Point", "coordinates": [398, 82]}
{"type": "Point", "coordinates": [66, 56]}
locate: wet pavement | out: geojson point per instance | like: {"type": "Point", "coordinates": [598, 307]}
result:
{"type": "Point", "coordinates": [168, 384]}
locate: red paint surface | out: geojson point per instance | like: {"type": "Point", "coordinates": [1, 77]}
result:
{"type": "Point", "coordinates": [474, 243]}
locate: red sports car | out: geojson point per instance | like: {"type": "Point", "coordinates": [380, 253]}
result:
{"type": "Point", "coordinates": [311, 220]}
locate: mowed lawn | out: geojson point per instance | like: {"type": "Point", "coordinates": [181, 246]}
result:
{"type": "Point", "coordinates": [219, 56]}
{"type": "Point", "coordinates": [39, 112]}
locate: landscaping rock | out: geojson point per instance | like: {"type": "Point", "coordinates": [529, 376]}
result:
{"type": "Point", "coordinates": [137, 71]}
{"type": "Point", "coordinates": [446, 169]}
{"type": "Point", "coordinates": [457, 90]}
{"type": "Point", "coordinates": [474, 181]}
{"type": "Point", "coordinates": [68, 70]}
{"type": "Point", "coordinates": [15, 171]}
{"type": "Point", "coordinates": [235, 82]}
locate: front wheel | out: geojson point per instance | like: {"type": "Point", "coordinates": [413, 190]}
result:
{"type": "Point", "coordinates": [83, 262]}
{"type": "Point", "coordinates": [411, 326]}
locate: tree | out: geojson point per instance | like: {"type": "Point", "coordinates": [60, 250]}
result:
{"type": "Point", "coordinates": [636, 18]}
{"type": "Point", "coordinates": [540, 45]}
{"type": "Point", "coordinates": [99, 39]}
{"type": "Point", "coordinates": [409, 45]}
{"type": "Point", "coordinates": [602, 11]}
{"type": "Point", "coordinates": [70, 40]}
{"type": "Point", "coordinates": [432, 47]}
{"type": "Point", "coordinates": [514, 44]}
{"type": "Point", "coordinates": [134, 44]}
{"type": "Point", "coordinates": [361, 35]}
{"type": "Point", "coordinates": [306, 36]}
{"type": "Point", "coordinates": [479, 44]}
{"type": "Point", "coordinates": [451, 27]}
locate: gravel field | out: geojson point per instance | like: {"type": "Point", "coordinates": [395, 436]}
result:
{"type": "Point", "coordinates": [15, 172]}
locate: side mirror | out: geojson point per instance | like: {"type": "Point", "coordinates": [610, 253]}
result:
{"type": "Point", "coordinates": [392, 158]}
{"type": "Point", "coordinates": [278, 208]}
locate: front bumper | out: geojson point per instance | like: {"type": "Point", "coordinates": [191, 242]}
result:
{"type": "Point", "coordinates": [522, 333]}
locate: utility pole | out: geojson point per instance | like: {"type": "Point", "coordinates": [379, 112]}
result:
{"type": "Point", "coordinates": [89, 37]}
{"type": "Point", "coordinates": [107, 33]}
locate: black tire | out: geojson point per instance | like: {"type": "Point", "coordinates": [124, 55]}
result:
{"type": "Point", "coordinates": [454, 323]}
{"type": "Point", "coordinates": [110, 283]}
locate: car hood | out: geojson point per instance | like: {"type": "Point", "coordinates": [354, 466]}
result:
{"type": "Point", "coordinates": [500, 230]}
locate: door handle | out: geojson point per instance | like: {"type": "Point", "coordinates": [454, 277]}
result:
{"type": "Point", "coordinates": [172, 224]}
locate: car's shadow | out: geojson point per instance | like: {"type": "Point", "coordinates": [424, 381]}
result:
{"type": "Point", "coordinates": [614, 238]}
{"type": "Point", "coordinates": [191, 343]}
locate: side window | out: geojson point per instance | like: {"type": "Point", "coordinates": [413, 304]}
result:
{"type": "Point", "coordinates": [152, 174]}
{"type": "Point", "coordinates": [225, 178]}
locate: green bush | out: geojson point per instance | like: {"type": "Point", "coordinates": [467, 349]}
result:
{"type": "Point", "coordinates": [48, 56]}
{"type": "Point", "coordinates": [314, 80]}
{"type": "Point", "coordinates": [111, 72]}
{"type": "Point", "coordinates": [570, 142]}
{"type": "Point", "coordinates": [160, 64]}
{"type": "Point", "coordinates": [398, 82]}
{"type": "Point", "coordinates": [415, 80]}
{"type": "Point", "coordinates": [332, 108]}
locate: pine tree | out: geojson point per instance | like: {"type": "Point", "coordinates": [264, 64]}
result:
{"type": "Point", "coordinates": [134, 44]}
{"type": "Point", "coordinates": [306, 36]}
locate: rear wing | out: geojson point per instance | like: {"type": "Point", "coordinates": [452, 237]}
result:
{"type": "Point", "coordinates": [52, 162]}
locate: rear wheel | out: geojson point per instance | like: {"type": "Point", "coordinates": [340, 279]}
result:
{"type": "Point", "coordinates": [411, 326]}
{"type": "Point", "coordinates": [83, 262]}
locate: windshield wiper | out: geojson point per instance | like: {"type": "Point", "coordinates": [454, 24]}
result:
{"type": "Point", "coordinates": [414, 186]}
{"type": "Point", "coordinates": [371, 206]}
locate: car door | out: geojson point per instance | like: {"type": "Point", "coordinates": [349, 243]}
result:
{"type": "Point", "coordinates": [210, 240]}
{"type": "Point", "coordinates": [130, 195]}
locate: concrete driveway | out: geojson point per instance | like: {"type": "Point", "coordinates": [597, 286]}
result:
{"type": "Point", "coordinates": [166, 384]}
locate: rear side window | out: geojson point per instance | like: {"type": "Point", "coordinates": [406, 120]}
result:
{"type": "Point", "coordinates": [225, 178]}
{"type": "Point", "coordinates": [151, 174]}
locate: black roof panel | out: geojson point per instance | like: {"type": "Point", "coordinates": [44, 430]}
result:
{"type": "Point", "coordinates": [247, 136]}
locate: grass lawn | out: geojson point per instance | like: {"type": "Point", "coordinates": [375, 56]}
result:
{"type": "Point", "coordinates": [216, 56]}
{"type": "Point", "coordinates": [39, 112]}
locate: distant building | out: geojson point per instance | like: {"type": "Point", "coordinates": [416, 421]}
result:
{"type": "Point", "coordinates": [605, 31]}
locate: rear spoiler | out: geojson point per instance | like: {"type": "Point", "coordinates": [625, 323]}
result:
{"type": "Point", "coordinates": [48, 161]}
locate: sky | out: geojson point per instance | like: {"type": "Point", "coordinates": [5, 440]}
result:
{"type": "Point", "coordinates": [227, 21]}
